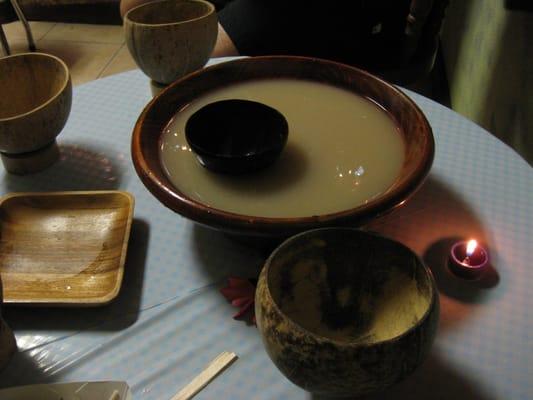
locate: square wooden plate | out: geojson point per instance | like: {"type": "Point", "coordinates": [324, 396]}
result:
{"type": "Point", "coordinates": [64, 248]}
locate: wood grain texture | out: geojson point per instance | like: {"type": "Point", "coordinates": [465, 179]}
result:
{"type": "Point", "coordinates": [410, 120]}
{"type": "Point", "coordinates": [354, 332]}
{"type": "Point", "coordinates": [215, 367]}
{"type": "Point", "coordinates": [35, 103]}
{"type": "Point", "coordinates": [64, 248]}
{"type": "Point", "coordinates": [168, 39]}
{"type": "Point", "coordinates": [35, 161]}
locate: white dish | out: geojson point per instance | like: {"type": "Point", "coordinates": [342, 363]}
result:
{"type": "Point", "coordinates": [69, 391]}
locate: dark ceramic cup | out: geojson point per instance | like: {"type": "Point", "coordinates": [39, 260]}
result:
{"type": "Point", "coordinates": [343, 312]}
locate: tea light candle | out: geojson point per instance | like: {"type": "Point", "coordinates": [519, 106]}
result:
{"type": "Point", "coordinates": [468, 259]}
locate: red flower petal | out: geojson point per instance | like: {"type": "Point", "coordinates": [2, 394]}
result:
{"type": "Point", "coordinates": [238, 287]}
{"type": "Point", "coordinates": [240, 293]}
{"type": "Point", "coordinates": [241, 301]}
{"type": "Point", "coordinates": [243, 309]}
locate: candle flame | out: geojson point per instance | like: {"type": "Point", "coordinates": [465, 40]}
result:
{"type": "Point", "coordinates": [471, 247]}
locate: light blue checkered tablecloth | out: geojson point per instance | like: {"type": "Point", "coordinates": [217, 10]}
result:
{"type": "Point", "coordinates": [170, 320]}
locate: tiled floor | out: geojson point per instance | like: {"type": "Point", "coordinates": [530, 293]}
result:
{"type": "Point", "coordinates": [90, 51]}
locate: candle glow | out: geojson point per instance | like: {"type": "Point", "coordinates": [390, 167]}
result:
{"type": "Point", "coordinates": [468, 259]}
{"type": "Point", "coordinates": [471, 247]}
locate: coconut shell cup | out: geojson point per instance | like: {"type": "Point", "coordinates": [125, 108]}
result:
{"type": "Point", "coordinates": [34, 112]}
{"type": "Point", "coordinates": [343, 312]}
{"type": "Point", "coordinates": [170, 38]}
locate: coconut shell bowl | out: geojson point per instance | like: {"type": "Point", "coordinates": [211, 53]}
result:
{"type": "Point", "coordinates": [170, 38]}
{"type": "Point", "coordinates": [345, 313]}
{"type": "Point", "coordinates": [35, 104]}
{"type": "Point", "coordinates": [295, 163]}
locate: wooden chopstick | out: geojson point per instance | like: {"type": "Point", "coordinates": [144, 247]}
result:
{"type": "Point", "coordinates": [215, 367]}
{"type": "Point", "coordinates": [115, 395]}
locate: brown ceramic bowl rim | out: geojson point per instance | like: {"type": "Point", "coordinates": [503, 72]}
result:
{"type": "Point", "coordinates": [176, 200]}
{"type": "Point", "coordinates": [52, 98]}
{"type": "Point", "coordinates": [210, 11]}
{"type": "Point", "coordinates": [283, 246]}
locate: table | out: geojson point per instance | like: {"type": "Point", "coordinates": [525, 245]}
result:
{"type": "Point", "coordinates": [170, 320]}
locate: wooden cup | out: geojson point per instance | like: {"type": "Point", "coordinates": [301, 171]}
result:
{"type": "Point", "coordinates": [170, 38]}
{"type": "Point", "coordinates": [34, 110]}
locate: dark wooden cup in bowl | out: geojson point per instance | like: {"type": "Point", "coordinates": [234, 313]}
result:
{"type": "Point", "coordinates": [411, 124]}
{"type": "Point", "coordinates": [236, 136]}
